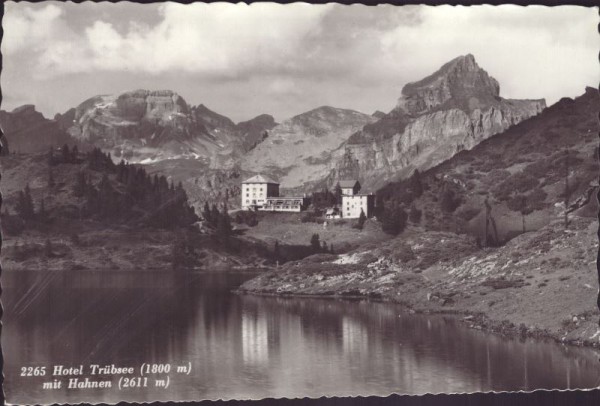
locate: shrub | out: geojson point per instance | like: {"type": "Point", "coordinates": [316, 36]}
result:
{"type": "Point", "coordinates": [449, 200]}
{"type": "Point", "coordinates": [393, 220]}
{"type": "Point", "coordinates": [361, 221]}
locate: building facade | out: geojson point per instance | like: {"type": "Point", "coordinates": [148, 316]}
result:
{"type": "Point", "coordinates": [353, 202]}
{"type": "Point", "coordinates": [256, 190]}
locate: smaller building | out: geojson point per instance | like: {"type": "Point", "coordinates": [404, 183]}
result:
{"type": "Point", "coordinates": [354, 203]}
{"type": "Point", "coordinates": [284, 203]}
{"type": "Point", "coordinates": [333, 213]}
{"type": "Point", "coordinates": [349, 187]}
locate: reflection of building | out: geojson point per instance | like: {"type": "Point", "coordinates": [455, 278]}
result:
{"type": "Point", "coordinates": [355, 336]}
{"type": "Point", "coordinates": [353, 202]}
{"type": "Point", "coordinates": [255, 338]}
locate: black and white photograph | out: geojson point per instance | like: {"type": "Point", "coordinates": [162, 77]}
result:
{"type": "Point", "coordinates": [231, 201]}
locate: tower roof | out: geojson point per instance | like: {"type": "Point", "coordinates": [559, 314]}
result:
{"type": "Point", "coordinates": [260, 179]}
{"type": "Point", "coordinates": [348, 183]}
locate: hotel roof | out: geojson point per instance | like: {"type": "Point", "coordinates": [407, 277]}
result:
{"type": "Point", "coordinates": [260, 179]}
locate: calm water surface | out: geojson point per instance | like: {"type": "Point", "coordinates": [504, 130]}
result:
{"type": "Point", "coordinates": [255, 347]}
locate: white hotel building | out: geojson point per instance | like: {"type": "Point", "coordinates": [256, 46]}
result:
{"type": "Point", "coordinates": [353, 202]}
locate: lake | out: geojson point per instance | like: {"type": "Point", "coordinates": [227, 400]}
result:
{"type": "Point", "coordinates": [221, 345]}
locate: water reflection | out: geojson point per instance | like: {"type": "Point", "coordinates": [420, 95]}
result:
{"type": "Point", "coordinates": [255, 347]}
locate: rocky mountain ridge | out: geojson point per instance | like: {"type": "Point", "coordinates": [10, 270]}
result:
{"type": "Point", "coordinates": [451, 110]}
{"type": "Point", "coordinates": [299, 149]}
{"type": "Point", "coordinates": [148, 126]}
{"type": "Point", "coordinates": [26, 130]}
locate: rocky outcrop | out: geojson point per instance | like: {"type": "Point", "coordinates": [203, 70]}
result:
{"type": "Point", "coordinates": [253, 132]}
{"type": "Point", "coordinates": [26, 130]}
{"type": "Point", "coordinates": [451, 110]}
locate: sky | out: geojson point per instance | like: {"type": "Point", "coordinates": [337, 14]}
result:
{"type": "Point", "coordinates": [244, 60]}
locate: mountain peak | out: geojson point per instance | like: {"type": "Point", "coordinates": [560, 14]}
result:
{"type": "Point", "coordinates": [459, 83]}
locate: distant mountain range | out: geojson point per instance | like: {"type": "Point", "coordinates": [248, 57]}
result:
{"type": "Point", "coordinates": [451, 110]}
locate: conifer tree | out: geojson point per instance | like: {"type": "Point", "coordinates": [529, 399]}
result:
{"type": "Point", "coordinates": [80, 184]}
{"type": "Point", "coordinates": [66, 154]}
{"type": "Point", "coordinates": [361, 220]}
{"type": "Point", "coordinates": [415, 184]}
{"type": "Point", "coordinates": [24, 205]}
{"type": "Point", "coordinates": [74, 153]}
{"type": "Point", "coordinates": [338, 193]}
{"type": "Point", "coordinates": [51, 158]}
{"type": "Point", "coordinates": [206, 213]}
{"type": "Point", "coordinates": [224, 226]}
{"type": "Point", "coordinates": [393, 220]}
{"type": "Point", "coordinates": [214, 215]}
{"type": "Point", "coordinates": [315, 243]}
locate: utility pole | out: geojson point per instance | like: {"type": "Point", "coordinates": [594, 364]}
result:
{"type": "Point", "coordinates": [567, 192]}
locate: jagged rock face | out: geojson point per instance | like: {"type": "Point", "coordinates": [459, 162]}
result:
{"type": "Point", "coordinates": [26, 130]}
{"type": "Point", "coordinates": [20, 118]}
{"type": "Point", "coordinates": [452, 110]}
{"type": "Point", "coordinates": [298, 151]}
{"type": "Point", "coordinates": [459, 83]}
{"type": "Point", "coordinates": [137, 125]}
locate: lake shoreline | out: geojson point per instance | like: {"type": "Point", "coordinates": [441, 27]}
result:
{"type": "Point", "coordinates": [474, 320]}
{"type": "Point", "coordinates": [540, 284]}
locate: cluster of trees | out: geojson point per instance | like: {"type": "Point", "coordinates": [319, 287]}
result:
{"type": "Point", "coordinates": [135, 195]}
{"type": "Point", "coordinates": [393, 219]}
{"type": "Point", "coordinates": [25, 207]}
{"type": "Point", "coordinates": [219, 220]}
{"type": "Point", "coordinates": [64, 155]}
{"type": "Point", "coordinates": [325, 198]}
{"type": "Point", "coordinates": [393, 201]}
{"type": "Point", "coordinates": [319, 246]}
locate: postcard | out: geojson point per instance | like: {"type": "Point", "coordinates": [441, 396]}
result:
{"type": "Point", "coordinates": [233, 201]}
